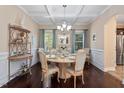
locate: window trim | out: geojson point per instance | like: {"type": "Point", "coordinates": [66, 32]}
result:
{"type": "Point", "coordinates": [49, 31]}
{"type": "Point", "coordinates": [78, 31]}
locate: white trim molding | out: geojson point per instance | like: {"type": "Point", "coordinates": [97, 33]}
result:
{"type": "Point", "coordinates": [109, 69]}
{"type": "Point", "coordinates": [3, 56]}
{"type": "Point", "coordinates": [97, 57]}
{"type": "Point", "coordinates": [95, 49]}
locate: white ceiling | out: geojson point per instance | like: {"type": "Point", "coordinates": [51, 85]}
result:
{"type": "Point", "coordinates": [54, 14]}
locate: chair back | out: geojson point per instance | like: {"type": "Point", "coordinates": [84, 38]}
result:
{"type": "Point", "coordinates": [53, 51]}
{"type": "Point", "coordinates": [43, 60]}
{"type": "Point", "coordinates": [40, 49]}
{"type": "Point", "coordinates": [80, 60]}
{"type": "Point", "coordinates": [87, 50]}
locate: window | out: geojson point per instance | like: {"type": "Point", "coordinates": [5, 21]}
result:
{"type": "Point", "coordinates": [79, 40]}
{"type": "Point", "coordinates": [48, 39]}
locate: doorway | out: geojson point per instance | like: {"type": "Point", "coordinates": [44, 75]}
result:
{"type": "Point", "coordinates": [118, 73]}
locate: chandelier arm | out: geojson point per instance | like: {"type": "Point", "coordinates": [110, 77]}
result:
{"type": "Point", "coordinates": [64, 26]}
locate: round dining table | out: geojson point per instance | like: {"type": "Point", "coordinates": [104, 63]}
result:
{"type": "Point", "coordinates": [63, 62]}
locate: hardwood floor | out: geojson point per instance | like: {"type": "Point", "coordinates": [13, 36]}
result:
{"type": "Point", "coordinates": [93, 77]}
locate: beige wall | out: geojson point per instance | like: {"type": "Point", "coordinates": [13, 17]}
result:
{"type": "Point", "coordinates": [14, 15]}
{"type": "Point", "coordinates": [110, 44]}
{"type": "Point", "coordinates": [98, 25]}
{"type": "Point", "coordinates": [102, 36]}
{"type": "Point", "coordinates": [97, 28]}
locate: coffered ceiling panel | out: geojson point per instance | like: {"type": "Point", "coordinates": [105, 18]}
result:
{"type": "Point", "coordinates": [35, 10]}
{"type": "Point", "coordinates": [54, 14]}
{"type": "Point", "coordinates": [93, 10]}
{"type": "Point", "coordinates": [58, 11]}
{"type": "Point", "coordinates": [60, 20]}
{"type": "Point", "coordinates": [42, 20]}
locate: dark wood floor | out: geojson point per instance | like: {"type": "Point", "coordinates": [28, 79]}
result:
{"type": "Point", "coordinates": [93, 77]}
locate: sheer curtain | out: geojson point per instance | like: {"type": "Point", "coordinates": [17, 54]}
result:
{"type": "Point", "coordinates": [86, 38]}
{"type": "Point", "coordinates": [54, 38]}
{"type": "Point", "coordinates": [41, 41]}
{"type": "Point", "coordinates": [85, 41]}
{"type": "Point", "coordinates": [42, 38]}
{"type": "Point", "coordinates": [73, 39]}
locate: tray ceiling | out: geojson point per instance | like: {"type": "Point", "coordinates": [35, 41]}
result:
{"type": "Point", "coordinates": [54, 14]}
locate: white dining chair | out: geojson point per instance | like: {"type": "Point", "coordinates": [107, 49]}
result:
{"type": "Point", "coordinates": [53, 51]}
{"type": "Point", "coordinates": [40, 49]}
{"type": "Point", "coordinates": [47, 69]}
{"type": "Point", "coordinates": [87, 50]}
{"type": "Point", "coordinates": [79, 66]}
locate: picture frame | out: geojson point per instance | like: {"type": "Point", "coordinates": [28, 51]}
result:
{"type": "Point", "coordinates": [94, 37]}
{"type": "Point", "coordinates": [63, 39]}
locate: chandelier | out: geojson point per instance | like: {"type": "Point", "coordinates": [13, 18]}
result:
{"type": "Point", "coordinates": [65, 26]}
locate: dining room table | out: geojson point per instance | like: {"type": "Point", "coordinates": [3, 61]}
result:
{"type": "Point", "coordinates": [63, 62]}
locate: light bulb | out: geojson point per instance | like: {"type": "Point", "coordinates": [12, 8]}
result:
{"type": "Point", "coordinates": [64, 25]}
{"type": "Point", "coordinates": [68, 27]}
{"type": "Point", "coordinates": [59, 27]}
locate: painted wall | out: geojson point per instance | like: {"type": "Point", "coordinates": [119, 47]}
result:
{"type": "Point", "coordinates": [14, 15]}
{"type": "Point", "coordinates": [98, 27]}
{"type": "Point", "coordinates": [110, 44]}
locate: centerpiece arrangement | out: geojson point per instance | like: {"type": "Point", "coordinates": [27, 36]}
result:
{"type": "Point", "coordinates": [63, 50]}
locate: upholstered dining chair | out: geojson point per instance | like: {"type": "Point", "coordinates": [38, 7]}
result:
{"type": "Point", "coordinates": [87, 50]}
{"type": "Point", "coordinates": [40, 49]}
{"type": "Point", "coordinates": [77, 70]}
{"type": "Point", "coordinates": [47, 69]}
{"type": "Point", "coordinates": [53, 51]}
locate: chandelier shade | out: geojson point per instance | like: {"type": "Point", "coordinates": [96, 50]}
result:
{"type": "Point", "coordinates": [64, 27]}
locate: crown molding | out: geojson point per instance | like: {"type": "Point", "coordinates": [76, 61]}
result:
{"type": "Point", "coordinates": [20, 7]}
{"type": "Point", "coordinates": [107, 8]}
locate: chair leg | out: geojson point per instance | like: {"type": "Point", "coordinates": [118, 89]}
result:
{"type": "Point", "coordinates": [58, 76]}
{"type": "Point", "coordinates": [65, 77]}
{"type": "Point", "coordinates": [82, 78]}
{"type": "Point", "coordinates": [88, 61]}
{"type": "Point", "coordinates": [74, 81]}
{"type": "Point", "coordinates": [42, 77]}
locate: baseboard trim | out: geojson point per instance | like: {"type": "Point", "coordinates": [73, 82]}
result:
{"type": "Point", "coordinates": [99, 67]}
{"type": "Point", "coordinates": [109, 69]}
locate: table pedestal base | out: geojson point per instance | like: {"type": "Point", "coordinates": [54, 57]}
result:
{"type": "Point", "coordinates": [63, 71]}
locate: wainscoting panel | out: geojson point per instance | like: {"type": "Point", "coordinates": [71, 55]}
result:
{"type": "Point", "coordinates": [15, 66]}
{"type": "Point", "coordinates": [3, 68]}
{"type": "Point", "coordinates": [97, 58]}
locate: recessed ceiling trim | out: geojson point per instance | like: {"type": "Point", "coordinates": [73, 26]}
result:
{"type": "Point", "coordinates": [73, 19]}
{"type": "Point", "coordinates": [76, 18]}
{"type": "Point", "coordinates": [107, 8]}
{"type": "Point", "coordinates": [20, 7]}
{"type": "Point", "coordinates": [50, 16]}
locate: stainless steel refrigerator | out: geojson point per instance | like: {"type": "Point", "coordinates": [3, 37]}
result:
{"type": "Point", "coordinates": [120, 49]}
